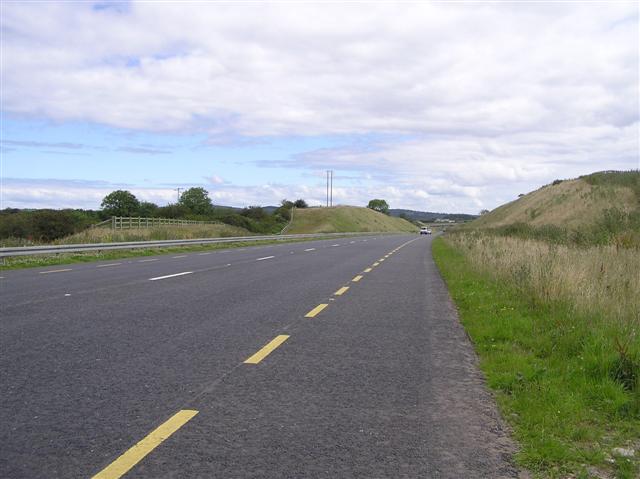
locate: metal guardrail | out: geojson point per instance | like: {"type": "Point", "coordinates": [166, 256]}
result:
{"type": "Point", "coordinates": [74, 248]}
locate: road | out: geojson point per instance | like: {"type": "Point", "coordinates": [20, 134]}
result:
{"type": "Point", "coordinates": [326, 359]}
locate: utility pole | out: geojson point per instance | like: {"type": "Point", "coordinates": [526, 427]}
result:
{"type": "Point", "coordinates": [178, 190]}
{"type": "Point", "coordinates": [327, 188]}
{"type": "Point", "coordinates": [331, 190]}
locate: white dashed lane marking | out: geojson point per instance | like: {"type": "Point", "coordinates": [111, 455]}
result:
{"type": "Point", "coordinates": [170, 275]}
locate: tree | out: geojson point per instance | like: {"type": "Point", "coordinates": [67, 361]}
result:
{"type": "Point", "coordinates": [196, 200]}
{"type": "Point", "coordinates": [120, 203]}
{"type": "Point", "coordinates": [483, 212]}
{"type": "Point", "coordinates": [284, 210]}
{"type": "Point", "coordinates": [254, 212]}
{"type": "Point", "coordinates": [300, 203]}
{"type": "Point", "coordinates": [379, 205]}
{"type": "Point", "coordinates": [147, 209]}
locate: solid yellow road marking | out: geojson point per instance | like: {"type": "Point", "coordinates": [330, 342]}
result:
{"type": "Point", "coordinates": [265, 351]}
{"type": "Point", "coordinates": [55, 271]}
{"type": "Point", "coordinates": [368, 270]}
{"type": "Point", "coordinates": [120, 466]}
{"type": "Point", "coordinates": [357, 278]}
{"type": "Point", "coordinates": [314, 312]}
{"type": "Point", "coordinates": [341, 291]}
{"type": "Point", "coordinates": [375, 264]}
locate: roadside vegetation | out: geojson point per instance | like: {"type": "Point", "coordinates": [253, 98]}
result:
{"type": "Point", "coordinates": [33, 227]}
{"type": "Point", "coordinates": [108, 235]}
{"type": "Point", "coordinates": [556, 324]}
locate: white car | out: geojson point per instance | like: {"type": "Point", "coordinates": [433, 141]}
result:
{"type": "Point", "coordinates": [425, 231]}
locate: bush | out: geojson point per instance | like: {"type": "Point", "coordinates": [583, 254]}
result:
{"type": "Point", "coordinates": [44, 225]}
{"type": "Point", "coordinates": [255, 212]}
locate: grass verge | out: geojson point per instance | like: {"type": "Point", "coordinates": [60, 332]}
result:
{"type": "Point", "coordinates": [38, 261]}
{"type": "Point", "coordinates": [564, 379]}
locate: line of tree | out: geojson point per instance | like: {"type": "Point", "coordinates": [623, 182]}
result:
{"type": "Point", "coordinates": [194, 204]}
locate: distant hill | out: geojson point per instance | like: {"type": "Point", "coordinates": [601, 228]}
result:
{"type": "Point", "coordinates": [346, 219]}
{"type": "Point", "coordinates": [596, 208]}
{"type": "Point", "coordinates": [430, 216]}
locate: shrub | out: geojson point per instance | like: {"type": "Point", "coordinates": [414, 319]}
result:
{"type": "Point", "coordinates": [49, 225]}
{"type": "Point", "coordinates": [254, 212]}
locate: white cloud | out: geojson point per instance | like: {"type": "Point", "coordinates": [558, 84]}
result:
{"type": "Point", "coordinates": [486, 97]}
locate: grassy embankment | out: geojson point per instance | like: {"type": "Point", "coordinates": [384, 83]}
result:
{"type": "Point", "coordinates": [556, 325]}
{"type": "Point", "coordinates": [343, 219]}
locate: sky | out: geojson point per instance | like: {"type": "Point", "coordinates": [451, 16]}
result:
{"type": "Point", "coordinates": [434, 106]}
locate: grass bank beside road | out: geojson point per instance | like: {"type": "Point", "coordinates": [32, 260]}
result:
{"type": "Point", "coordinates": [557, 331]}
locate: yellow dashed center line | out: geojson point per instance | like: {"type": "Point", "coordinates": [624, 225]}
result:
{"type": "Point", "coordinates": [266, 350]}
{"type": "Point", "coordinates": [357, 278]}
{"type": "Point", "coordinates": [120, 466]}
{"type": "Point", "coordinates": [315, 311]}
{"type": "Point", "coordinates": [375, 264]}
{"type": "Point", "coordinates": [368, 270]}
{"type": "Point", "coordinates": [341, 291]}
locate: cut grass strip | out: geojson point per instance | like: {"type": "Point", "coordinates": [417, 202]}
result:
{"type": "Point", "coordinates": [550, 370]}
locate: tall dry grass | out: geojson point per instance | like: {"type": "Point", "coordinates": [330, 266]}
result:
{"type": "Point", "coordinates": [600, 280]}
{"type": "Point", "coordinates": [108, 235]}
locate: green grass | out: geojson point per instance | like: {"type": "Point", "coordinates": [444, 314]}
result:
{"type": "Point", "coordinates": [553, 372]}
{"type": "Point", "coordinates": [37, 261]}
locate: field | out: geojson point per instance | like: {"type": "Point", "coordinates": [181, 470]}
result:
{"type": "Point", "coordinates": [346, 219]}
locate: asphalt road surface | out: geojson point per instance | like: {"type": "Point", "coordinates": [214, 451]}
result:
{"type": "Point", "coordinates": [327, 359]}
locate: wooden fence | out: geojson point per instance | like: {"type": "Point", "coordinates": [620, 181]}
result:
{"type": "Point", "coordinates": [130, 222]}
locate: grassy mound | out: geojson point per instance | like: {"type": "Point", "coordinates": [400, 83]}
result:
{"type": "Point", "coordinates": [597, 209]}
{"type": "Point", "coordinates": [346, 219]}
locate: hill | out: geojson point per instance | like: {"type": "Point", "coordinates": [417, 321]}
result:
{"type": "Point", "coordinates": [346, 219]}
{"type": "Point", "coordinates": [593, 209]}
{"type": "Point", "coordinates": [430, 216]}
